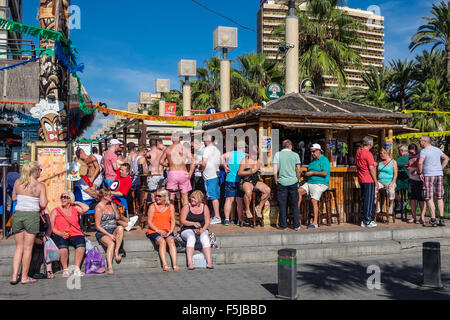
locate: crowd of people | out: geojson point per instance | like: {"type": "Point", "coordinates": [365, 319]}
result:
{"type": "Point", "coordinates": [205, 173]}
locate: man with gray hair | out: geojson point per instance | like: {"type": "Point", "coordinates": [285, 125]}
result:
{"type": "Point", "coordinates": [431, 172]}
{"type": "Point", "coordinates": [367, 176]}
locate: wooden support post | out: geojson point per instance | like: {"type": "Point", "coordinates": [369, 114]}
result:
{"type": "Point", "coordinates": [381, 139]}
{"type": "Point", "coordinates": [260, 138]}
{"type": "Point", "coordinates": [100, 148]}
{"type": "Point", "coordinates": [328, 152]}
{"type": "Point", "coordinates": [391, 139]}
{"type": "Point", "coordinates": [125, 140]}
{"type": "Point", "coordinates": [143, 139]}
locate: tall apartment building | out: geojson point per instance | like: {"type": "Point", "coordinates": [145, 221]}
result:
{"type": "Point", "coordinates": [11, 10]}
{"type": "Point", "coordinates": [272, 13]}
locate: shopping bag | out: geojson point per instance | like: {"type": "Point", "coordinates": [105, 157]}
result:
{"type": "Point", "coordinates": [94, 262]}
{"type": "Point", "coordinates": [89, 245]}
{"type": "Point", "coordinates": [51, 251]}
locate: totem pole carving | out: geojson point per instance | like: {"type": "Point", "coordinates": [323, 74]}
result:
{"type": "Point", "coordinates": [53, 75]}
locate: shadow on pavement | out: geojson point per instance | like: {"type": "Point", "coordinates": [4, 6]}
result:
{"type": "Point", "coordinates": [398, 282]}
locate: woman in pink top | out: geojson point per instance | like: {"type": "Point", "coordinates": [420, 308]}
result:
{"type": "Point", "coordinates": [66, 231]}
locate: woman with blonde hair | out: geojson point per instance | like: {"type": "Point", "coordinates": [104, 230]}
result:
{"type": "Point", "coordinates": [67, 231]}
{"type": "Point", "coordinates": [195, 219]}
{"type": "Point", "coordinates": [387, 176]}
{"type": "Point", "coordinates": [161, 223]}
{"type": "Point", "coordinates": [108, 233]}
{"type": "Point", "coordinates": [31, 198]}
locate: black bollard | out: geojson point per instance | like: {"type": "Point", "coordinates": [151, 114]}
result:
{"type": "Point", "coordinates": [287, 274]}
{"type": "Point", "coordinates": [431, 257]}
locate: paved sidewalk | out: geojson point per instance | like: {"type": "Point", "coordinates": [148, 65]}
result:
{"type": "Point", "coordinates": [338, 279]}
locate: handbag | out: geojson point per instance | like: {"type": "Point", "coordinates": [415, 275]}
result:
{"type": "Point", "coordinates": [51, 251]}
{"type": "Point", "coordinates": [95, 264]}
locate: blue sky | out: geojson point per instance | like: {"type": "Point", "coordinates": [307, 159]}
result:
{"type": "Point", "coordinates": [127, 45]}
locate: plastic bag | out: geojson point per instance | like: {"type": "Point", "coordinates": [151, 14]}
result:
{"type": "Point", "coordinates": [51, 251]}
{"type": "Point", "coordinates": [94, 262]}
{"type": "Point", "coordinates": [89, 245]}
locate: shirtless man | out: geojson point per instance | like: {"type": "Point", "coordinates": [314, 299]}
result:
{"type": "Point", "coordinates": [175, 157]}
{"type": "Point", "coordinates": [91, 162]}
{"type": "Point", "coordinates": [132, 153]}
{"type": "Point", "coordinates": [156, 179]}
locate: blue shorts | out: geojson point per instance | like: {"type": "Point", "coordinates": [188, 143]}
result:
{"type": "Point", "coordinates": [155, 236]}
{"type": "Point", "coordinates": [233, 189]}
{"type": "Point", "coordinates": [212, 189]}
{"type": "Point", "coordinates": [77, 242]}
{"type": "Point", "coordinates": [100, 235]}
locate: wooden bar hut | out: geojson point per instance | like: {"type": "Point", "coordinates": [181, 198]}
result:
{"type": "Point", "coordinates": [337, 125]}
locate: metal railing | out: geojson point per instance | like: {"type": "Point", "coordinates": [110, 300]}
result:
{"type": "Point", "coordinates": [11, 45]}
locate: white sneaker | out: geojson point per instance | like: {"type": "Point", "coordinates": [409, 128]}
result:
{"type": "Point", "coordinates": [372, 225]}
{"type": "Point", "coordinates": [215, 220]}
{"type": "Point", "coordinates": [363, 225]}
{"type": "Point", "coordinates": [132, 221]}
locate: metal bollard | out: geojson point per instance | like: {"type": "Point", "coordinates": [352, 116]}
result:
{"type": "Point", "coordinates": [287, 274]}
{"type": "Point", "coordinates": [431, 257]}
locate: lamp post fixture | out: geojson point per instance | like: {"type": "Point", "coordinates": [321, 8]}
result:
{"type": "Point", "coordinates": [225, 39]}
{"type": "Point", "coordinates": [292, 53]}
{"type": "Point", "coordinates": [162, 86]}
{"type": "Point", "coordinates": [186, 69]}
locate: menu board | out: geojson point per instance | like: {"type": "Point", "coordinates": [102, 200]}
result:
{"type": "Point", "coordinates": [53, 162]}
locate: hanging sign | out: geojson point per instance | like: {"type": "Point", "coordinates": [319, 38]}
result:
{"type": "Point", "coordinates": [171, 109]}
{"type": "Point", "coordinates": [212, 110]}
{"type": "Point", "coordinates": [307, 86]}
{"type": "Point", "coordinates": [274, 91]}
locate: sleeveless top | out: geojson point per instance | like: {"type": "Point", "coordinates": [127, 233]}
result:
{"type": "Point", "coordinates": [386, 173]}
{"type": "Point", "coordinates": [161, 220]}
{"type": "Point", "coordinates": [192, 217]}
{"type": "Point", "coordinates": [108, 221]}
{"type": "Point", "coordinates": [62, 225]}
{"type": "Point", "coordinates": [27, 203]}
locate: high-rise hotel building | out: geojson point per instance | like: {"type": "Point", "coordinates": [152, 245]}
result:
{"type": "Point", "coordinates": [272, 13]}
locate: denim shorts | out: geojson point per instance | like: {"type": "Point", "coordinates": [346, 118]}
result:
{"type": "Point", "coordinates": [77, 242]}
{"type": "Point", "coordinates": [155, 236]}
{"type": "Point", "coordinates": [233, 189]}
{"type": "Point", "coordinates": [100, 235]}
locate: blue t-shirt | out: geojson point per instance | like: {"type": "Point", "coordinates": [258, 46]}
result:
{"type": "Point", "coordinates": [234, 162]}
{"type": "Point", "coordinates": [320, 165]}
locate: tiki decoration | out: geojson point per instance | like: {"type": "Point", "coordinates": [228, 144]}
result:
{"type": "Point", "coordinates": [54, 77]}
{"type": "Point", "coordinates": [50, 124]}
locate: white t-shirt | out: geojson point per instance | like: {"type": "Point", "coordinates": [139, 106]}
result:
{"type": "Point", "coordinates": [99, 160]}
{"type": "Point", "coordinates": [83, 186]}
{"type": "Point", "coordinates": [432, 166]}
{"type": "Point", "coordinates": [212, 154]}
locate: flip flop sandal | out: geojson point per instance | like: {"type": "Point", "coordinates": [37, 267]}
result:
{"type": "Point", "coordinates": [176, 268]}
{"type": "Point", "coordinates": [50, 275]}
{"type": "Point", "coordinates": [210, 268]}
{"type": "Point", "coordinates": [29, 281]}
{"type": "Point", "coordinates": [166, 268]}
{"type": "Point", "coordinates": [412, 221]}
{"type": "Point", "coordinates": [66, 274]}
{"type": "Point", "coordinates": [79, 273]}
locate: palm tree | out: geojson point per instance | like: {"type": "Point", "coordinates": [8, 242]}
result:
{"type": "Point", "coordinates": [431, 65]}
{"type": "Point", "coordinates": [327, 36]}
{"type": "Point", "coordinates": [435, 32]}
{"type": "Point", "coordinates": [432, 95]}
{"type": "Point", "coordinates": [402, 79]}
{"type": "Point", "coordinates": [206, 89]}
{"type": "Point", "coordinates": [174, 96]}
{"type": "Point", "coordinates": [259, 69]}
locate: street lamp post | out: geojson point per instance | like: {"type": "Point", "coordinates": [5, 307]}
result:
{"type": "Point", "coordinates": [225, 39]}
{"type": "Point", "coordinates": [162, 86]}
{"type": "Point", "coordinates": [292, 53]}
{"type": "Point", "coordinates": [186, 69]}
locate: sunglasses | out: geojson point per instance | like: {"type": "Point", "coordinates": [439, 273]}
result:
{"type": "Point", "coordinates": [158, 196]}
{"type": "Point", "coordinates": [65, 198]}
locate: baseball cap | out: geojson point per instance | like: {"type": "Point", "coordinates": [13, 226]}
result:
{"type": "Point", "coordinates": [317, 146]}
{"type": "Point", "coordinates": [113, 142]}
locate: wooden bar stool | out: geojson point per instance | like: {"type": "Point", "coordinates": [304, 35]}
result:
{"type": "Point", "coordinates": [355, 215]}
{"type": "Point", "coordinates": [382, 198]}
{"type": "Point", "coordinates": [327, 199]}
{"type": "Point", "coordinates": [403, 197]}
{"type": "Point", "coordinates": [256, 221]}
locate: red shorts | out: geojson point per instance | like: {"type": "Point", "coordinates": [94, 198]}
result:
{"type": "Point", "coordinates": [433, 187]}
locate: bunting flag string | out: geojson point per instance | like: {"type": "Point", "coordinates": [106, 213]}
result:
{"type": "Point", "coordinates": [13, 26]}
{"type": "Point", "coordinates": [417, 135]}
{"type": "Point", "coordinates": [71, 65]}
{"type": "Point", "coordinates": [206, 117]}
{"type": "Point", "coordinates": [18, 64]}
{"type": "Point", "coordinates": [424, 111]}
